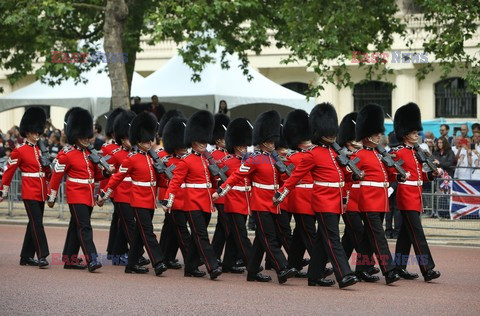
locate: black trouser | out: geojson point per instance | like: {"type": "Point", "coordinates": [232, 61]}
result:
{"type": "Point", "coordinates": [114, 234]}
{"type": "Point", "coordinates": [80, 233]}
{"type": "Point", "coordinates": [127, 225]}
{"type": "Point", "coordinates": [373, 223]}
{"type": "Point", "coordinates": [35, 240]}
{"type": "Point", "coordinates": [304, 236]}
{"type": "Point", "coordinates": [200, 247]}
{"type": "Point", "coordinates": [168, 238]}
{"type": "Point", "coordinates": [284, 230]}
{"type": "Point", "coordinates": [328, 246]}
{"type": "Point", "coordinates": [267, 236]}
{"type": "Point", "coordinates": [222, 230]}
{"type": "Point", "coordinates": [237, 239]}
{"type": "Point", "coordinates": [355, 237]}
{"type": "Point", "coordinates": [411, 233]}
{"type": "Point", "coordinates": [393, 219]}
{"type": "Point", "coordinates": [184, 238]}
{"type": "Point", "coordinates": [144, 236]}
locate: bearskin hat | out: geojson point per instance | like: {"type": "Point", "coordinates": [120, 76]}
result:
{"type": "Point", "coordinates": [165, 118]}
{"type": "Point", "coordinates": [324, 122]}
{"type": "Point", "coordinates": [111, 116]}
{"type": "Point", "coordinates": [221, 124]}
{"type": "Point", "coordinates": [143, 128]}
{"type": "Point", "coordinates": [199, 128]}
{"type": "Point", "coordinates": [370, 120]}
{"type": "Point", "coordinates": [296, 128]}
{"type": "Point", "coordinates": [239, 133]}
{"type": "Point", "coordinates": [121, 125]}
{"type": "Point", "coordinates": [33, 121]}
{"type": "Point", "coordinates": [407, 119]}
{"type": "Point", "coordinates": [79, 125]}
{"type": "Point", "coordinates": [173, 134]}
{"type": "Point", "coordinates": [346, 131]}
{"type": "Point", "coordinates": [267, 127]}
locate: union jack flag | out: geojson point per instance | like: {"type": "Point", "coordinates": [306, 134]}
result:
{"type": "Point", "coordinates": [465, 199]}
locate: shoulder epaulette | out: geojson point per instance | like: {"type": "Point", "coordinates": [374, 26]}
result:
{"type": "Point", "coordinates": [67, 148]}
{"type": "Point", "coordinates": [185, 156]}
{"type": "Point", "coordinates": [116, 150]}
{"type": "Point", "coordinates": [133, 153]}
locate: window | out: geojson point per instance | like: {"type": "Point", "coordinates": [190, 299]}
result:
{"type": "Point", "coordinates": [298, 87]}
{"type": "Point", "coordinates": [453, 100]}
{"type": "Point", "coordinates": [373, 92]}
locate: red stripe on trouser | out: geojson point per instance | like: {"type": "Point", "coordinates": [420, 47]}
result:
{"type": "Point", "coordinates": [351, 230]}
{"type": "Point", "coordinates": [266, 241]}
{"type": "Point", "coordinates": [376, 246]}
{"type": "Point", "coordinates": [81, 237]}
{"type": "Point", "coordinates": [239, 238]}
{"type": "Point", "coordinates": [306, 232]}
{"type": "Point", "coordinates": [199, 243]}
{"type": "Point", "coordinates": [179, 234]}
{"type": "Point", "coordinates": [124, 224]}
{"type": "Point", "coordinates": [145, 238]}
{"type": "Point", "coordinates": [416, 241]}
{"type": "Point", "coordinates": [285, 243]}
{"type": "Point", "coordinates": [39, 251]}
{"type": "Point", "coordinates": [331, 249]}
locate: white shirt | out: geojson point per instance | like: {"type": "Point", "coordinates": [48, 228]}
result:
{"type": "Point", "coordinates": [462, 173]}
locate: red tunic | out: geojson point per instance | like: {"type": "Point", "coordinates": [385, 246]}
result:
{"type": "Point", "coordinates": [329, 179]}
{"type": "Point", "coordinates": [238, 198]}
{"type": "Point", "coordinates": [179, 201]}
{"type": "Point", "coordinates": [373, 198]}
{"type": "Point", "coordinates": [409, 193]}
{"type": "Point", "coordinates": [300, 199]}
{"type": "Point", "coordinates": [138, 166]}
{"type": "Point", "coordinates": [353, 189]}
{"type": "Point", "coordinates": [107, 149]}
{"type": "Point", "coordinates": [123, 191]}
{"type": "Point", "coordinates": [192, 172]}
{"type": "Point", "coordinates": [219, 154]}
{"type": "Point", "coordinates": [34, 176]}
{"type": "Point", "coordinates": [260, 168]}
{"type": "Point", "coordinates": [81, 175]}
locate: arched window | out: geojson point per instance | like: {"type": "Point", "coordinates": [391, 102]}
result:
{"type": "Point", "coordinates": [298, 87]}
{"type": "Point", "coordinates": [373, 92]}
{"type": "Point", "coordinates": [453, 100]}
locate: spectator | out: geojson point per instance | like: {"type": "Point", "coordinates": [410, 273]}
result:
{"type": "Point", "coordinates": [223, 108]}
{"type": "Point", "coordinates": [98, 138]}
{"type": "Point", "coordinates": [54, 144]}
{"type": "Point", "coordinates": [13, 137]}
{"type": "Point", "coordinates": [444, 130]}
{"type": "Point", "coordinates": [476, 163]}
{"type": "Point", "coordinates": [156, 108]}
{"type": "Point", "coordinates": [464, 131]}
{"type": "Point", "coordinates": [462, 158]}
{"type": "Point", "coordinates": [476, 140]}
{"type": "Point", "coordinates": [136, 106]}
{"type": "Point", "coordinates": [443, 156]}
{"type": "Point", "coordinates": [475, 128]}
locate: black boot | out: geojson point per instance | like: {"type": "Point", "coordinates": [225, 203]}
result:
{"type": "Point", "coordinates": [430, 275]}
{"type": "Point", "coordinates": [258, 277]}
{"type": "Point", "coordinates": [320, 282]}
{"type": "Point", "coordinates": [136, 269]}
{"type": "Point", "coordinates": [42, 263]}
{"type": "Point", "coordinates": [28, 262]}
{"type": "Point", "coordinates": [286, 274]}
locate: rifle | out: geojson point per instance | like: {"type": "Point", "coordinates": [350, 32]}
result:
{"type": "Point", "coordinates": [389, 162]}
{"type": "Point", "coordinates": [280, 165]}
{"type": "Point", "coordinates": [98, 159]}
{"type": "Point", "coordinates": [344, 161]}
{"type": "Point", "coordinates": [160, 166]}
{"type": "Point", "coordinates": [45, 160]}
{"type": "Point", "coordinates": [424, 159]}
{"type": "Point", "coordinates": [215, 170]}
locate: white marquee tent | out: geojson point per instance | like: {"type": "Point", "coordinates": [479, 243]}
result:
{"type": "Point", "coordinates": [172, 84]}
{"type": "Point", "coordinates": [94, 95]}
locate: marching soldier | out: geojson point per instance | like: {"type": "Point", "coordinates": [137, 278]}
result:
{"type": "Point", "coordinates": [407, 124]}
{"type": "Point", "coordinates": [74, 162]}
{"type": "Point", "coordinates": [34, 186]}
{"type": "Point", "coordinates": [194, 175]}
{"type": "Point", "coordinates": [139, 167]}
{"type": "Point", "coordinates": [237, 202]}
{"type": "Point", "coordinates": [260, 168]}
{"type": "Point", "coordinates": [115, 232]}
{"type": "Point", "coordinates": [354, 236]}
{"type": "Point", "coordinates": [373, 196]}
{"type": "Point", "coordinates": [327, 198]}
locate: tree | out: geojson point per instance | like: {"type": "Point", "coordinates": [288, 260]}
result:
{"type": "Point", "coordinates": [323, 33]}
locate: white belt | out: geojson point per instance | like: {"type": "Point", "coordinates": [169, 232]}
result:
{"type": "Point", "coordinates": [240, 188]}
{"type": "Point", "coordinates": [330, 184]}
{"type": "Point", "coordinates": [127, 179]}
{"type": "Point", "coordinates": [82, 181]}
{"type": "Point", "coordinates": [356, 186]}
{"type": "Point", "coordinates": [145, 183]}
{"type": "Point", "coordinates": [375, 184]}
{"type": "Point", "coordinates": [265, 186]}
{"type": "Point", "coordinates": [197, 185]}
{"type": "Point", "coordinates": [413, 183]}
{"type": "Point", "coordinates": [305, 185]}
{"type": "Point", "coordinates": [33, 174]}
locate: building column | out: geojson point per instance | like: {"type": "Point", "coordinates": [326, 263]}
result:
{"type": "Point", "coordinates": [406, 89]}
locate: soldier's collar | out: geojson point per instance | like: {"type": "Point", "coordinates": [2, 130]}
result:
{"type": "Point", "coordinates": [196, 152]}
{"type": "Point", "coordinates": [220, 148]}
{"type": "Point", "coordinates": [407, 146]}
{"type": "Point", "coordinates": [79, 148]}
{"type": "Point", "coordinates": [368, 148]}
{"type": "Point", "coordinates": [29, 143]}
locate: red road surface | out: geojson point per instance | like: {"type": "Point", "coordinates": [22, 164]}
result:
{"type": "Point", "coordinates": [29, 290]}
